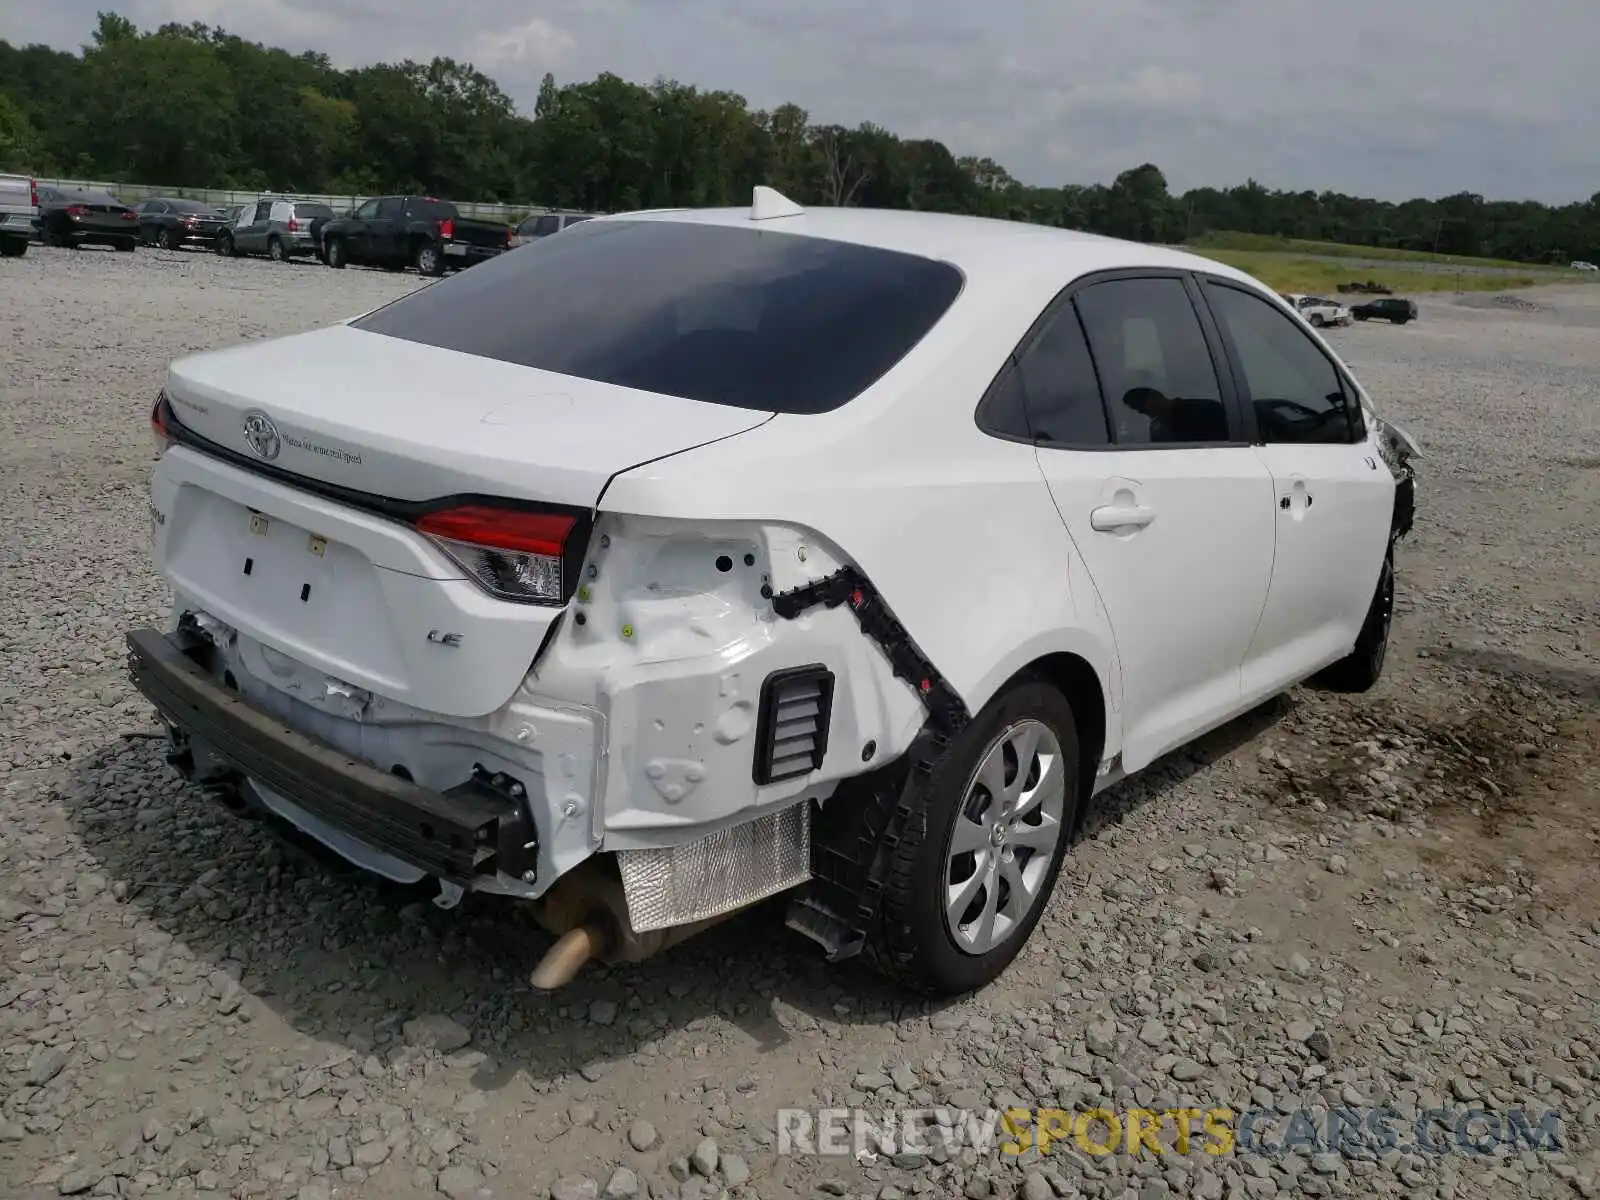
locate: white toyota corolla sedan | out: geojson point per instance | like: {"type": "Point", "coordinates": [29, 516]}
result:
{"type": "Point", "coordinates": [698, 556]}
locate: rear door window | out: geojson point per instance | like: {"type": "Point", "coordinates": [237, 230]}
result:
{"type": "Point", "coordinates": [1155, 368]}
{"type": "Point", "coordinates": [388, 207]}
{"type": "Point", "coordinates": [723, 314]}
{"type": "Point", "coordinates": [430, 210]}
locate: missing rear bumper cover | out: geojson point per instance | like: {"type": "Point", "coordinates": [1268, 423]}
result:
{"type": "Point", "coordinates": [477, 829]}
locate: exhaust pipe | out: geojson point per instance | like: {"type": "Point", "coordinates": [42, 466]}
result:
{"type": "Point", "coordinates": [588, 912]}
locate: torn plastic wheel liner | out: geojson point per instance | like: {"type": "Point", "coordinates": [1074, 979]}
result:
{"type": "Point", "coordinates": [855, 835]}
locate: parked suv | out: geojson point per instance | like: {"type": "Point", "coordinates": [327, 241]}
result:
{"type": "Point", "coordinates": [542, 225]}
{"type": "Point", "coordinates": [1396, 309]}
{"type": "Point", "coordinates": [694, 563]}
{"type": "Point", "coordinates": [278, 228]}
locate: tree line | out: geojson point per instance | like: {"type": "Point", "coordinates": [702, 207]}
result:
{"type": "Point", "coordinates": [192, 105]}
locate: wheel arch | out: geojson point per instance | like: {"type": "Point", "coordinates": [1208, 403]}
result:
{"type": "Point", "coordinates": [1082, 670]}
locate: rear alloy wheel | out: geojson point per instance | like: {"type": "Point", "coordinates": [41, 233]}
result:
{"type": "Point", "coordinates": [167, 239]}
{"type": "Point", "coordinates": [1359, 670]}
{"type": "Point", "coordinates": [429, 260]}
{"type": "Point", "coordinates": [225, 246]}
{"type": "Point", "coordinates": [275, 250]}
{"type": "Point", "coordinates": [336, 256]}
{"type": "Point", "coordinates": [1317, 321]}
{"type": "Point", "coordinates": [968, 884]}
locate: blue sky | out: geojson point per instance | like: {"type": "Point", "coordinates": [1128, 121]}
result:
{"type": "Point", "coordinates": [1387, 98]}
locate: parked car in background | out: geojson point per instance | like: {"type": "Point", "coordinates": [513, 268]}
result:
{"type": "Point", "coordinates": [275, 226]}
{"type": "Point", "coordinates": [1396, 309]}
{"type": "Point", "coordinates": [232, 212]}
{"type": "Point", "coordinates": [416, 231]}
{"type": "Point", "coordinates": [19, 212]}
{"type": "Point", "coordinates": [1318, 311]}
{"type": "Point", "coordinates": [542, 225]}
{"type": "Point", "coordinates": [86, 217]}
{"type": "Point", "coordinates": [598, 607]}
{"type": "Point", "coordinates": [1580, 265]}
{"type": "Point", "coordinates": [175, 222]}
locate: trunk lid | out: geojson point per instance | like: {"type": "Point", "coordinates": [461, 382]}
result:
{"type": "Point", "coordinates": [406, 421]}
{"type": "Point", "coordinates": [346, 590]}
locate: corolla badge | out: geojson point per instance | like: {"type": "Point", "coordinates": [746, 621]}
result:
{"type": "Point", "coordinates": [261, 435]}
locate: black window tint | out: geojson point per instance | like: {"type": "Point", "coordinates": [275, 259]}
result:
{"type": "Point", "coordinates": [367, 211]}
{"type": "Point", "coordinates": [1296, 392]}
{"type": "Point", "coordinates": [389, 206]}
{"type": "Point", "coordinates": [545, 226]}
{"type": "Point", "coordinates": [576, 220]}
{"type": "Point", "coordinates": [1058, 378]}
{"type": "Point", "coordinates": [307, 210]}
{"type": "Point", "coordinates": [1155, 370]}
{"type": "Point", "coordinates": [189, 206]}
{"type": "Point", "coordinates": [432, 210]}
{"type": "Point", "coordinates": [725, 314]}
{"type": "Point", "coordinates": [264, 211]}
{"type": "Point", "coordinates": [1005, 406]}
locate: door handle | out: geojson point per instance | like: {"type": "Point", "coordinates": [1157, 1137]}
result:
{"type": "Point", "coordinates": [1113, 517]}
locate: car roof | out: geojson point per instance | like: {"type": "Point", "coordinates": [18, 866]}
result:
{"type": "Point", "coordinates": [974, 245]}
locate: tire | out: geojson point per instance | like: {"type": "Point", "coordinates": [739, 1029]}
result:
{"type": "Point", "coordinates": [1359, 670]}
{"type": "Point", "coordinates": [336, 255]}
{"type": "Point", "coordinates": [13, 247]}
{"type": "Point", "coordinates": [1316, 321]}
{"type": "Point", "coordinates": [167, 239]}
{"type": "Point", "coordinates": [225, 246]}
{"type": "Point", "coordinates": [275, 250]}
{"type": "Point", "coordinates": [915, 941]}
{"type": "Point", "coordinates": [429, 259]}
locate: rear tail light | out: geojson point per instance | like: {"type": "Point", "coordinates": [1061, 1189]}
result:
{"type": "Point", "coordinates": [77, 210]}
{"type": "Point", "coordinates": [447, 228]}
{"type": "Point", "coordinates": [294, 225]}
{"type": "Point", "coordinates": [510, 553]}
{"type": "Point", "coordinates": [33, 192]}
{"type": "Point", "coordinates": [158, 425]}
{"type": "Point", "coordinates": [509, 232]}
{"type": "Point", "coordinates": [128, 214]}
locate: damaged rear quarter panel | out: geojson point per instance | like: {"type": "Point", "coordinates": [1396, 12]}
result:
{"type": "Point", "coordinates": [670, 637]}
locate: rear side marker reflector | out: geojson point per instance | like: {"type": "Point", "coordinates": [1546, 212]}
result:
{"type": "Point", "coordinates": [792, 726]}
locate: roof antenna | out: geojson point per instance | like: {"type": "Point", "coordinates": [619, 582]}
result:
{"type": "Point", "coordinates": [767, 203]}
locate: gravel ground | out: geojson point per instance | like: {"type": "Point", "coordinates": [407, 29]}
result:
{"type": "Point", "coordinates": [1335, 902]}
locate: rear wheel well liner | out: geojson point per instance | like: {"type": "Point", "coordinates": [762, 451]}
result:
{"type": "Point", "coordinates": [1074, 677]}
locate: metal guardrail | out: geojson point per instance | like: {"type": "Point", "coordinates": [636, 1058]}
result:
{"type": "Point", "coordinates": [132, 193]}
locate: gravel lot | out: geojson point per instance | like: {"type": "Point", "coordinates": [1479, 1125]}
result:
{"type": "Point", "coordinates": [1388, 900]}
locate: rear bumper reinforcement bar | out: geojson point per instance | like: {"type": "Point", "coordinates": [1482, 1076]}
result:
{"type": "Point", "coordinates": [474, 830]}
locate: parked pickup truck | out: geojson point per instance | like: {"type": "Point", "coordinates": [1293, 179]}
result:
{"type": "Point", "coordinates": [418, 231]}
{"type": "Point", "coordinates": [19, 211]}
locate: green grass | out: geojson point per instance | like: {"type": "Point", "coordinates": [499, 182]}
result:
{"type": "Point", "coordinates": [1265, 243]}
{"type": "Point", "coordinates": [1295, 273]}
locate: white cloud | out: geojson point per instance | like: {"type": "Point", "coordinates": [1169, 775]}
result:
{"type": "Point", "coordinates": [536, 44]}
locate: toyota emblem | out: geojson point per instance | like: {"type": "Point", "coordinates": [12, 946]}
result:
{"type": "Point", "coordinates": [261, 435]}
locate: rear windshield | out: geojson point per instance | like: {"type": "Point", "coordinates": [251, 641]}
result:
{"type": "Point", "coordinates": [307, 209]}
{"type": "Point", "coordinates": [191, 206]}
{"type": "Point", "coordinates": [744, 317]}
{"type": "Point", "coordinates": [439, 210]}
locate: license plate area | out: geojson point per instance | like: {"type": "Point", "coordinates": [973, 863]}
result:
{"type": "Point", "coordinates": [302, 587]}
{"type": "Point", "coordinates": [456, 251]}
